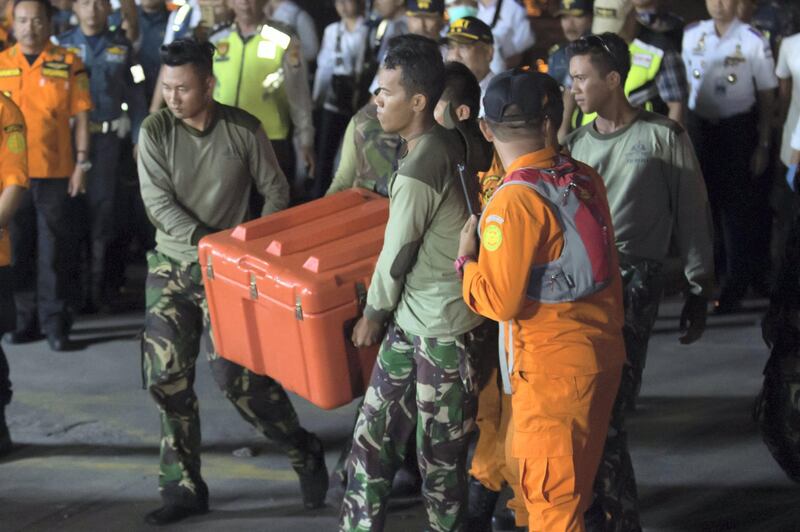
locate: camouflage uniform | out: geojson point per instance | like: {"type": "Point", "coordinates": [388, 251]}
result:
{"type": "Point", "coordinates": [176, 323]}
{"type": "Point", "coordinates": [616, 503]}
{"type": "Point", "coordinates": [430, 384]}
{"type": "Point", "coordinates": [374, 154]}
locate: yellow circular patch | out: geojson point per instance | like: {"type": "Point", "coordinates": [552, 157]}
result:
{"type": "Point", "coordinates": [492, 237]}
{"type": "Point", "coordinates": [16, 143]}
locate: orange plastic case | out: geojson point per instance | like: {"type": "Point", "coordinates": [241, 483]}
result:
{"type": "Point", "coordinates": [284, 292]}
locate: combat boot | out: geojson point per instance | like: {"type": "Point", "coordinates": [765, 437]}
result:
{"type": "Point", "coordinates": [480, 508]}
{"type": "Point", "coordinates": [314, 477]}
{"type": "Point", "coordinates": [5, 437]}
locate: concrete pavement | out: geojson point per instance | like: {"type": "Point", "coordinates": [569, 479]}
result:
{"type": "Point", "coordinates": [87, 441]}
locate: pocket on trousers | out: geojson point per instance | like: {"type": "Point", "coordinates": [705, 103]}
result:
{"type": "Point", "coordinates": [542, 406]}
{"type": "Point", "coordinates": [547, 480]}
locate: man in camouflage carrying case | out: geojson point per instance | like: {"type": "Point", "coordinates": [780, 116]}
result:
{"type": "Point", "coordinates": [198, 160]}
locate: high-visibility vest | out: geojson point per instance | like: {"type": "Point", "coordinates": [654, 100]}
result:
{"type": "Point", "coordinates": [250, 76]}
{"type": "Point", "coordinates": [640, 87]}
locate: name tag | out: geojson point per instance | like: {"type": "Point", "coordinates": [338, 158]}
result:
{"type": "Point", "coordinates": [138, 73]}
{"type": "Point", "coordinates": [10, 72]}
{"type": "Point", "coordinates": [55, 69]}
{"type": "Point", "coordinates": [642, 60]}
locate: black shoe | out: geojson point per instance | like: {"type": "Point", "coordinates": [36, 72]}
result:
{"type": "Point", "coordinates": [59, 342]}
{"type": "Point", "coordinates": [481, 505]}
{"type": "Point", "coordinates": [169, 514]}
{"type": "Point", "coordinates": [314, 479]}
{"type": "Point", "coordinates": [505, 520]}
{"type": "Point", "coordinates": [23, 336]}
{"type": "Point", "coordinates": [5, 437]}
{"type": "Point", "coordinates": [407, 483]}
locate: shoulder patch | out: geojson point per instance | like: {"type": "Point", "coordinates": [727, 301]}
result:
{"type": "Point", "coordinates": [692, 25]}
{"type": "Point", "coordinates": [492, 237]}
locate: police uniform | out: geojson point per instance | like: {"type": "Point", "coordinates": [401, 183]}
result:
{"type": "Point", "coordinates": [115, 79]}
{"type": "Point", "coordinates": [257, 73]}
{"type": "Point", "coordinates": [725, 75]}
{"type": "Point", "coordinates": [183, 20]}
{"type": "Point", "coordinates": [50, 91]}
{"type": "Point", "coordinates": [13, 172]}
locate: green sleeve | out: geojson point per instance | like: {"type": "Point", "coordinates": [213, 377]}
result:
{"type": "Point", "coordinates": [345, 175]}
{"type": "Point", "coordinates": [692, 217]}
{"type": "Point", "coordinates": [412, 205]}
{"type": "Point", "coordinates": [158, 194]}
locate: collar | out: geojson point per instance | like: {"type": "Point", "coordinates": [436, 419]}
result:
{"type": "Point", "coordinates": [45, 55]}
{"type": "Point", "coordinates": [543, 158]}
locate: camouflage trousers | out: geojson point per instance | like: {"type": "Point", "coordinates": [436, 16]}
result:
{"type": "Point", "coordinates": [176, 328]}
{"type": "Point", "coordinates": [616, 503]}
{"type": "Point", "coordinates": [427, 384]}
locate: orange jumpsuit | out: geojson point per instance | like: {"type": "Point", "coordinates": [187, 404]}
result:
{"type": "Point", "coordinates": [49, 92]}
{"type": "Point", "coordinates": [492, 462]}
{"type": "Point", "coordinates": [13, 161]}
{"type": "Point", "coordinates": [568, 356]}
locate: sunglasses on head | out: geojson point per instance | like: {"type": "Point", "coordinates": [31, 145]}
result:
{"type": "Point", "coordinates": [598, 41]}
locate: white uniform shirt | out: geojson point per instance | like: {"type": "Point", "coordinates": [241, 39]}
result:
{"type": "Point", "coordinates": [346, 59]}
{"type": "Point", "coordinates": [301, 22]}
{"type": "Point", "coordinates": [484, 84]}
{"type": "Point", "coordinates": [725, 73]}
{"type": "Point", "coordinates": [512, 33]}
{"type": "Point", "coordinates": [789, 68]}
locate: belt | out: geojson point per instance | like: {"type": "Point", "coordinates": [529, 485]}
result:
{"type": "Point", "coordinates": [104, 127]}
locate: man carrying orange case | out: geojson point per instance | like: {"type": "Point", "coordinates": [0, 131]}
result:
{"type": "Point", "coordinates": [548, 273]}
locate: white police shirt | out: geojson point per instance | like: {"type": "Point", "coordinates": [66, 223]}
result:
{"type": "Point", "coordinates": [725, 73]}
{"type": "Point", "coordinates": [512, 32]}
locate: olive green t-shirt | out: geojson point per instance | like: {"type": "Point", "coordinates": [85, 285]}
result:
{"type": "Point", "coordinates": [655, 190]}
{"type": "Point", "coordinates": [414, 279]}
{"type": "Point", "coordinates": [193, 181]}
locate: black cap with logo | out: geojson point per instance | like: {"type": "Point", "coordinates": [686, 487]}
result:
{"type": "Point", "coordinates": [575, 8]}
{"type": "Point", "coordinates": [425, 7]}
{"type": "Point", "coordinates": [469, 30]}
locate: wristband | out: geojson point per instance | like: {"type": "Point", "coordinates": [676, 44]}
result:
{"type": "Point", "coordinates": [460, 262]}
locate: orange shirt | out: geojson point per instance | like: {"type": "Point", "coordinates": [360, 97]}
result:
{"type": "Point", "coordinates": [13, 161]}
{"type": "Point", "coordinates": [574, 338]}
{"type": "Point", "coordinates": [49, 92]}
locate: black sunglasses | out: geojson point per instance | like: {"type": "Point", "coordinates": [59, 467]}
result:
{"type": "Point", "coordinates": [597, 40]}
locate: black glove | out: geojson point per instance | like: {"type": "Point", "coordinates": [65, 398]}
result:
{"type": "Point", "coordinates": [693, 318]}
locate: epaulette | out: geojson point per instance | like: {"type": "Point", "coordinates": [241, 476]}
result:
{"type": "Point", "coordinates": [284, 28]}
{"type": "Point", "coordinates": [755, 31]}
{"type": "Point", "coordinates": [692, 25]}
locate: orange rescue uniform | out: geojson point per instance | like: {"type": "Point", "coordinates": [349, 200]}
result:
{"type": "Point", "coordinates": [13, 161]}
{"type": "Point", "coordinates": [49, 92]}
{"type": "Point", "coordinates": [493, 465]}
{"type": "Point", "coordinates": [567, 356]}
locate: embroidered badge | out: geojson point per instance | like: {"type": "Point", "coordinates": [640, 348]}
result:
{"type": "Point", "coordinates": [492, 237]}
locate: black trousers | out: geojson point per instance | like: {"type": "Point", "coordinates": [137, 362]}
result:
{"type": "Point", "coordinates": [329, 137]}
{"type": "Point", "coordinates": [7, 319]}
{"type": "Point", "coordinates": [101, 193]}
{"type": "Point", "coordinates": [725, 149]}
{"type": "Point", "coordinates": [43, 257]}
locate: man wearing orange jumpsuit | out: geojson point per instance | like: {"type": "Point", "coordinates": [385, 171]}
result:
{"type": "Point", "coordinates": [558, 299]}
{"type": "Point", "coordinates": [13, 182]}
{"type": "Point", "coordinates": [50, 86]}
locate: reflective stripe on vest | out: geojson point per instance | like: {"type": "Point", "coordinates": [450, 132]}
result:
{"type": "Point", "coordinates": [250, 76]}
{"type": "Point", "coordinates": [640, 87]}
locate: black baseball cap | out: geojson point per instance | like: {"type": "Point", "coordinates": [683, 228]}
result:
{"type": "Point", "coordinates": [575, 8]}
{"type": "Point", "coordinates": [425, 7]}
{"type": "Point", "coordinates": [469, 30]}
{"type": "Point", "coordinates": [533, 94]}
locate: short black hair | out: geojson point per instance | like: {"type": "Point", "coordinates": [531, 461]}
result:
{"type": "Point", "coordinates": [461, 88]}
{"type": "Point", "coordinates": [422, 66]}
{"type": "Point", "coordinates": [48, 7]}
{"type": "Point", "coordinates": [190, 52]}
{"type": "Point", "coordinates": [608, 52]}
